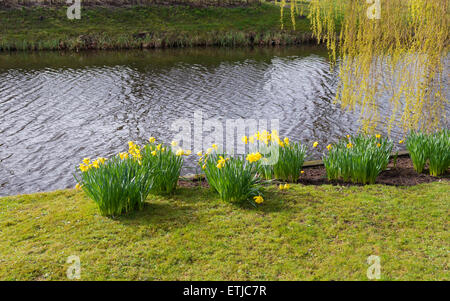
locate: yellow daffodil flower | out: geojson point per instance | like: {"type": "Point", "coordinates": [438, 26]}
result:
{"type": "Point", "coordinates": [258, 199]}
{"type": "Point", "coordinates": [266, 137]}
{"type": "Point", "coordinates": [123, 156]}
{"type": "Point", "coordinates": [245, 139]}
{"type": "Point", "coordinates": [257, 135]}
{"type": "Point", "coordinates": [274, 136]}
{"type": "Point", "coordinates": [153, 153]}
{"type": "Point", "coordinates": [286, 141]}
{"type": "Point", "coordinates": [95, 164]}
{"type": "Point", "coordinates": [315, 144]}
{"type": "Point", "coordinates": [83, 167]}
{"type": "Point", "coordinates": [329, 146]}
{"type": "Point", "coordinates": [284, 187]}
{"type": "Point", "coordinates": [349, 145]}
{"type": "Point", "coordinates": [86, 161]}
{"type": "Point", "coordinates": [135, 152]}
{"type": "Point", "coordinates": [221, 162]}
{"type": "Point", "coordinates": [223, 159]}
{"type": "Point", "coordinates": [174, 143]}
{"type": "Point", "coordinates": [378, 136]}
{"type": "Point", "coordinates": [254, 157]}
{"type": "Point", "coordinates": [152, 139]}
{"type": "Point", "coordinates": [401, 141]}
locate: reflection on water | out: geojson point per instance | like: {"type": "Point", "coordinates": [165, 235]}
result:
{"type": "Point", "coordinates": [56, 108]}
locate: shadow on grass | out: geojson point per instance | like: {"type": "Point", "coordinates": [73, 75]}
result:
{"type": "Point", "coordinates": [272, 201]}
{"type": "Point", "coordinates": [179, 209]}
{"type": "Point", "coordinates": [160, 214]}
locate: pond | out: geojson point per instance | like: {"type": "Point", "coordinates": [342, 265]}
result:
{"type": "Point", "coordinates": [57, 108]}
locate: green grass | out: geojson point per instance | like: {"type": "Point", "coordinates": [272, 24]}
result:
{"type": "Point", "coordinates": [305, 233]}
{"type": "Point", "coordinates": [168, 26]}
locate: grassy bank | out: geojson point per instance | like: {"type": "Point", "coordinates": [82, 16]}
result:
{"type": "Point", "coordinates": [306, 233]}
{"type": "Point", "coordinates": [44, 28]}
{"type": "Point", "coordinates": [124, 3]}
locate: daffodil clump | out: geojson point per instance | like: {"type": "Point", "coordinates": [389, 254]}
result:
{"type": "Point", "coordinates": [432, 148]}
{"type": "Point", "coordinates": [439, 155]}
{"type": "Point", "coordinates": [262, 148]}
{"type": "Point", "coordinates": [290, 161]}
{"type": "Point", "coordinates": [281, 158]}
{"type": "Point", "coordinates": [235, 179]}
{"type": "Point", "coordinates": [417, 146]}
{"type": "Point", "coordinates": [238, 178]}
{"type": "Point", "coordinates": [121, 184]}
{"type": "Point", "coordinates": [358, 159]}
{"type": "Point", "coordinates": [168, 161]}
{"type": "Point", "coordinates": [117, 185]}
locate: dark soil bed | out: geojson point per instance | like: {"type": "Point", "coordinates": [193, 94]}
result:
{"type": "Point", "coordinates": [201, 181]}
{"type": "Point", "coordinates": [401, 175]}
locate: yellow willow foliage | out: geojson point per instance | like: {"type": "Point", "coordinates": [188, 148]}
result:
{"type": "Point", "coordinates": [282, 4]}
{"type": "Point", "coordinates": [391, 54]}
{"type": "Point", "coordinates": [293, 5]}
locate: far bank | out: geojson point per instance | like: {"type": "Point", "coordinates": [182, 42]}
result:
{"type": "Point", "coordinates": [48, 28]}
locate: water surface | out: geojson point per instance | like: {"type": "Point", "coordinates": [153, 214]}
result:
{"type": "Point", "coordinates": [56, 108]}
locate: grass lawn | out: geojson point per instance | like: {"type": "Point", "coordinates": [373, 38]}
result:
{"type": "Point", "coordinates": [306, 233]}
{"type": "Point", "coordinates": [103, 28]}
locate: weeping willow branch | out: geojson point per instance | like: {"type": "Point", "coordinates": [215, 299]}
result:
{"type": "Point", "coordinates": [389, 53]}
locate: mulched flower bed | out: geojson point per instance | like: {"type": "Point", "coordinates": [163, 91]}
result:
{"type": "Point", "coordinates": [401, 175]}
